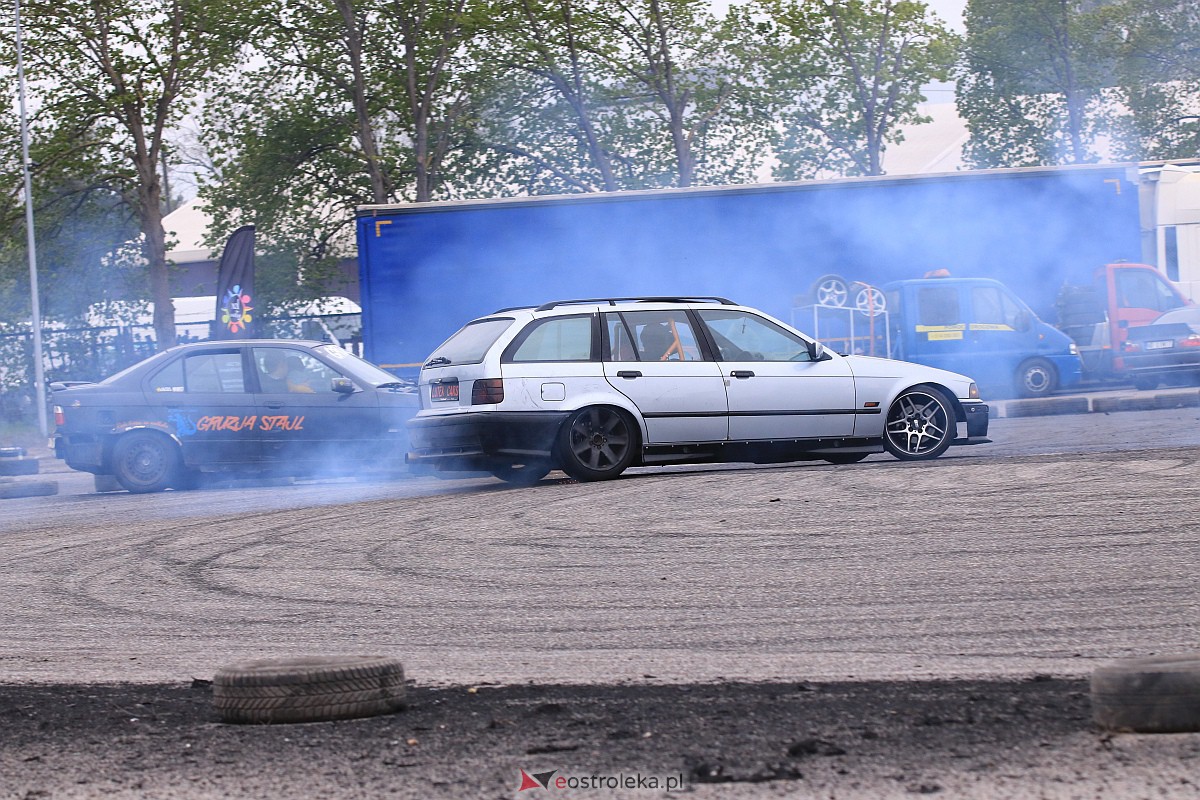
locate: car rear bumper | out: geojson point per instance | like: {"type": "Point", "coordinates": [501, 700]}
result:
{"type": "Point", "coordinates": [471, 441]}
{"type": "Point", "coordinates": [84, 453]}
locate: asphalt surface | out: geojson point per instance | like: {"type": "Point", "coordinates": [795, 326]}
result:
{"type": "Point", "coordinates": [877, 630]}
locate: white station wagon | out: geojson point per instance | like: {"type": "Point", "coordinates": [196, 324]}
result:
{"type": "Point", "coordinates": [593, 387]}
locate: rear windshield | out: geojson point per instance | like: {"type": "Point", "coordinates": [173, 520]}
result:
{"type": "Point", "coordinates": [471, 343]}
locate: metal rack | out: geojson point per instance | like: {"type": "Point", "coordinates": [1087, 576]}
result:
{"type": "Point", "coordinates": [858, 332]}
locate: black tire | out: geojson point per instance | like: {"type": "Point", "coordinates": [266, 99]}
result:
{"type": "Point", "coordinates": [1160, 694]}
{"type": "Point", "coordinates": [1035, 378]}
{"type": "Point", "coordinates": [522, 474]}
{"type": "Point", "coordinates": [18, 466]}
{"type": "Point", "coordinates": [310, 689]}
{"type": "Point", "coordinates": [597, 443]}
{"type": "Point", "coordinates": [830, 290]}
{"type": "Point", "coordinates": [145, 461]}
{"type": "Point", "coordinates": [845, 458]}
{"type": "Point", "coordinates": [1144, 383]}
{"type": "Point", "coordinates": [920, 424]}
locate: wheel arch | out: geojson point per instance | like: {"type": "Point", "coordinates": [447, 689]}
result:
{"type": "Point", "coordinates": [114, 436]}
{"type": "Point", "coordinates": [606, 402]}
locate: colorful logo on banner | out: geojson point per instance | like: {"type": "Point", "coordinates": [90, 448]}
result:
{"type": "Point", "coordinates": [235, 310]}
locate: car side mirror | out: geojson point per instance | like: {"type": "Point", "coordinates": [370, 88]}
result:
{"type": "Point", "coordinates": [343, 386]}
{"type": "Point", "coordinates": [816, 352]}
{"type": "Point", "coordinates": [1023, 321]}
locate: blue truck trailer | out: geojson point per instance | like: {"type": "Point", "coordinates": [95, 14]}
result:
{"type": "Point", "coordinates": [427, 268]}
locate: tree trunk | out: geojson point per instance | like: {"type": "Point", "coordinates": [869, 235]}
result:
{"type": "Point", "coordinates": [380, 190]}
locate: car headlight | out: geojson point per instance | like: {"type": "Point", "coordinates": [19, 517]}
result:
{"type": "Point", "coordinates": [973, 392]}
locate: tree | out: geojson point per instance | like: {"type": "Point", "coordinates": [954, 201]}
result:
{"type": "Point", "coordinates": [353, 103]}
{"type": "Point", "coordinates": [850, 75]}
{"type": "Point", "coordinates": [115, 77]}
{"type": "Point", "coordinates": [1031, 88]}
{"type": "Point", "coordinates": [1158, 47]}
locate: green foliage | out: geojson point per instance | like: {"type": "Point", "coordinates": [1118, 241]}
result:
{"type": "Point", "coordinates": [848, 74]}
{"type": "Point", "coordinates": [1032, 84]}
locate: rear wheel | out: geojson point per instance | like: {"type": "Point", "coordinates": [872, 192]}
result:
{"type": "Point", "coordinates": [920, 425]}
{"type": "Point", "coordinates": [1145, 383]}
{"type": "Point", "coordinates": [144, 461]}
{"type": "Point", "coordinates": [597, 444]}
{"type": "Point", "coordinates": [1036, 378]}
{"type": "Point", "coordinates": [522, 474]}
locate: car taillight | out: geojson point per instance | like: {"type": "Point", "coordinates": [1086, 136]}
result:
{"type": "Point", "coordinates": [60, 418]}
{"type": "Point", "coordinates": [487, 391]}
{"type": "Point", "coordinates": [1131, 347]}
{"type": "Point", "coordinates": [1191, 341]}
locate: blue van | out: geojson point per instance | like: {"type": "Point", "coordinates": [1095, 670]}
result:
{"type": "Point", "coordinates": [978, 327]}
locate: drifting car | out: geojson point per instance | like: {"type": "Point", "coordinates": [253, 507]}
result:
{"type": "Point", "coordinates": [593, 387]}
{"type": "Point", "coordinates": [262, 407]}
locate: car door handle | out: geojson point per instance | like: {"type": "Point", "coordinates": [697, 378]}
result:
{"type": "Point", "coordinates": [741, 373]}
{"type": "Point", "coordinates": [274, 403]}
{"type": "Point", "coordinates": [629, 373]}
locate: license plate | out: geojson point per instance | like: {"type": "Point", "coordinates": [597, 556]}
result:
{"type": "Point", "coordinates": [443, 392]}
{"type": "Point", "coordinates": [1159, 345]}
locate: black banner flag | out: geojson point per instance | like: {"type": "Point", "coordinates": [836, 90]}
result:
{"type": "Point", "coordinates": [235, 287]}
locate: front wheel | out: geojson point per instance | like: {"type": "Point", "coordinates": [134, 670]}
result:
{"type": "Point", "coordinates": [597, 444]}
{"type": "Point", "coordinates": [522, 474]}
{"type": "Point", "coordinates": [1036, 378]}
{"type": "Point", "coordinates": [143, 461]}
{"type": "Point", "coordinates": [920, 425]}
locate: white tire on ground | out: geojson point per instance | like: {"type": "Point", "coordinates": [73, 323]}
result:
{"type": "Point", "coordinates": [1160, 694]}
{"type": "Point", "coordinates": [309, 689]}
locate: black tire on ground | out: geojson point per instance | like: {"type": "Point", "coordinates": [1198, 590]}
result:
{"type": "Point", "coordinates": [845, 458]}
{"type": "Point", "coordinates": [309, 689]}
{"type": "Point", "coordinates": [1144, 383]}
{"type": "Point", "coordinates": [145, 461]}
{"type": "Point", "coordinates": [830, 290]}
{"type": "Point", "coordinates": [1160, 694]}
{"type": "Point", "coordinates": [597, 443]}
{"type": "Point", "coordinates": [12, 452]}
{"type": "Point", "coordinates": [920, 424]}
{"type": "Point", "coordinates": [18, 466]}
{"type": "Point", "coordinates": [522, 474]}
{"type": "Point", "coordinates": [16, 489]}
{"type": "Point", "coordinates": [1035, 377]}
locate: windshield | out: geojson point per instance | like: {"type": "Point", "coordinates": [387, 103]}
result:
{"type": "Point", "coordinates": [354, 366]}
{"type": "Point", "coordinates": [471, 343]}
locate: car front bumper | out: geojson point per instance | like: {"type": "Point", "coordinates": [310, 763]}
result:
{"type": "Point", "coordinates": [472, 441]}
{"type": "Point", "coordinates": [977, 415]}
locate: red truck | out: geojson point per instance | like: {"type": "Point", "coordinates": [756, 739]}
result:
{"type": "Point", "coordinates": [1099, 316]}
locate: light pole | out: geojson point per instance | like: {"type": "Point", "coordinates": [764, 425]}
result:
{"type": "Point", "coordinates": [38, 372]}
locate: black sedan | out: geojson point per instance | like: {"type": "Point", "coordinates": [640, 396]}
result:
{"type": "Point", "coordinates": [1167, 349]}
{"type": "Point", "coordinates": [266, 407]}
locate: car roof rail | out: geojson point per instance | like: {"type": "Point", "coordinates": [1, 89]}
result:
{"type": "Point", "coordinates": [612, 301]}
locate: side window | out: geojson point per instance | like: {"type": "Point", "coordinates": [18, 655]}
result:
{"type": "Point", "coordinates": [169, 378]}
{"type": "Point", "coordinates": [210, 372]}
{"type": "Point", "coordinates": [621, 346]}
{"type": "Point", "coordinates": [662, 336]}
{"type": "Point", "coordinates": [741, 336]}
{"type": "Point", "coordinates": [555, 339]}
{"type": "Point", "coordinates": [1142, 289]}
{"type": "Point", "coordinates": [938, 305]}
{"type": "Point", "coordinates": [294, 371]}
